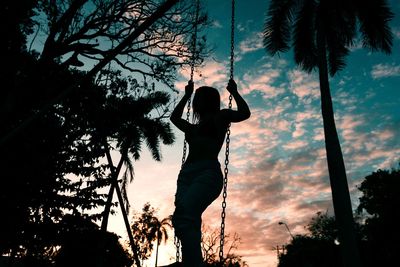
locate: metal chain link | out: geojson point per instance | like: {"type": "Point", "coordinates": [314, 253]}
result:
{"type": "Point", "coordinates": [228, 133]}
{"type": "Point", "coordinates": [232, 40]}
{"type": "Point", "coordinates": [189, 102]}
{"type": "Point", "coordinates": [177, 244]}
{"type": "Point", "coordinates": [184, 141]}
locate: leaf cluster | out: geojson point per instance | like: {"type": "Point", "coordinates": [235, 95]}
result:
{"type": "Point", "coordinates": [55, 166]}
{"type": "Point", "coordinates": [328, 28]}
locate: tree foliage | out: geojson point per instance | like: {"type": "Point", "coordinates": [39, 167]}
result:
{"type": "Point", "coordinates": [52, 142]}
{"type": "Point", "coordinates": [293, 23]}
{"type": "Point", "coordinates": [83, 244]}
{"type": "Point", "coordinates": [379, 200]}
{"type": "Point", "coordinates": [210, 244]}
{"type": "Point", "coordinates": [89, 30]}
{"type": "Point", "coordinates": [375, 228]}
{"type": "Point", "coordinates": [147, 228]}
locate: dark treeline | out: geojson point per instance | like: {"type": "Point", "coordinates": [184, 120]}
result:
{"type": "Point", "coordinates": [376, 228]}
{"type": "Point", "coordinates": [57, 124]}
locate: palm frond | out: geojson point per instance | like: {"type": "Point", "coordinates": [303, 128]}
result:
{"type": "Point", "coordinates": [304, 39]}
{"type": "Point", "coordinates": [130, 171]}
{"type": "Point", "coordinates": [130, 139]}
{"type": "Point", "coordinates": [124, 194]}
{"type": "Point", "coordinates": [374, 17]}
{"type": "Point", "coordinates": [343, 16]}
{"type": "Point", "coordinates": [337, 53]}
{"type": "Point", "coordinates": [277, 33]}
{"type": "Point", "coordinates": [151, 136]}
{"type": "Point", "coordinates": [152, 101]}
{"type": "Point", "coordinates": [166, 134]}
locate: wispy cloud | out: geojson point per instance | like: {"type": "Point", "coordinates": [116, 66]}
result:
{"type": "Point", "coordinates": [216, 24]}
{"type": "Point", "coordinates": [303, 85]}
{"type": "Point", "coordinates": [385, 70]}
{"type": "Point", "coordinates": [252, 43]}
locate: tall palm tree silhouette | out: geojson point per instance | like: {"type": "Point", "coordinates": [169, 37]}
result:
{"type": "Point", "coordinates": [321, 33]}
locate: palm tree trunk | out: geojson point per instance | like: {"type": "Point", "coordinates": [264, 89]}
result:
{"type": "Point", "coordinates": [158, 242]}
{"type": "Point", "coordinates": [107, 208]}
{"type": "Point", "coordinates": [336, 168]}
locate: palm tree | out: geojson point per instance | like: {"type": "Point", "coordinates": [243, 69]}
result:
{"type": "Point", "coordinates": [128, 120]}
{"type": "Point", "coordinates": [162, 232]}
{"type": "Point", "coordinates": [131, 115]}
{"type": "Point", "coordinates": [321, 33]}
{"type": "Point", "coordinates": [147, 229]}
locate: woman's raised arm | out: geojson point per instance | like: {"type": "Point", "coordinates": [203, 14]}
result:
{"type": "Point", "coordinates": [243, 112]}
{"type": "Point", "coordinates": [176, 115]}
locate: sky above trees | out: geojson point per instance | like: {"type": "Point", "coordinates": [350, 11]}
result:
{"type": "Point", "coordinates": [278, 166]}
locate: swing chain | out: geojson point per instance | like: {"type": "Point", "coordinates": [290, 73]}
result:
{"type": "Point", "coordinates": [224, 194]}
{"type": "Point", "coordinates": [184, 141]}
{"type": "Point", "coordinates": [192, 64]}
{"type": "Point", "coordinates": [228, 133]}
{"type": "Point", "coordinates": [177, 242]}
{"type": "Point", "coordinates": [232, 59]}
{"type": "Point", "coordinates": [194, 41]}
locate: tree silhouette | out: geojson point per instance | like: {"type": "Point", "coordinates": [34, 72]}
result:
{"type": "Point", "coordinates": [306, 251]}
{"type": "Point", "coordinates": [375, 227]}
{"type": "Point", "coordinates": [135, 115]}
{"type": "Point", "coordinates": [92, 30]}
{"type": "Point", "coordinates": [381, 195]}
{"type": "Point", "coordinates": [210, 247]}
{"type": "Point", "coordinates": [145, 229]}
{"type": "Point", "coordinates": [149, 36]}
{"type": "Point", "coordinates": [162, 228]}
{"type": "Point", "coordinates": [317, 248]}
{"type": "Point", "coordinates": [322, 33]}
{"type": "Point", "coordinates": [65, 137]}
{"type": "Point", "coordinates": [83, 244]}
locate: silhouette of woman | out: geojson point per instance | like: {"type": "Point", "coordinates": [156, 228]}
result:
{"type": "Point", "coordinates": [200, 179]}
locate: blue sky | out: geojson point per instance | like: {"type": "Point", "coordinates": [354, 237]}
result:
{"type": "Point", "coordinates": [278, 167]}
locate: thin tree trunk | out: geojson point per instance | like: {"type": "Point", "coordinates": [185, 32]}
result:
{"type": "Point", "coordinates": [158, 242]}
{"type": "Point", "coordinates": [336, 168]}
{"type": "Point", "coordinates": [107, 208]}
{"type": "Point", "coordinates": [124, 213]}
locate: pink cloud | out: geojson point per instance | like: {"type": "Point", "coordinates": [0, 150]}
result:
{"type": "Point", "coordinates": [385, 70]}
{"type": "Point", "coordinates": [295, 145]}
{"type": "Point", "coordinates": [252, 43]}
{"type": "Point", "coordinates": [303, 84]}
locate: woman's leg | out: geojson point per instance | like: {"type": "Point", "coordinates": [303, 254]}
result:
{"type": "Point", "coordinates": [191, 201]}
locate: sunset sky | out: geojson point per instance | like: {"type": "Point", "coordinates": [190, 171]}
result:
{"type": "Point", "coordinates": [278, 168]}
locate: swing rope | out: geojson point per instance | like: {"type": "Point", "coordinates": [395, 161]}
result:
{"type": "Point", "coordinates": [192, 64]}
{"type": "Point", "coordinates": [228, 133]}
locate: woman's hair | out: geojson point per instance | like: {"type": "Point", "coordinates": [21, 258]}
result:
{"type": "Point", "coordinates": [206, 100]}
